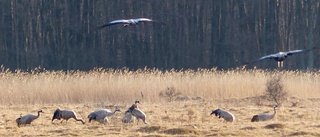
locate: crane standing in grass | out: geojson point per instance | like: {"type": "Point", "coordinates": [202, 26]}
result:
{"type": "Point", "coordinates": [227, 116]}
{"type": "Point", "coordinates": [27, 119]}
{"type": "Point", "coordinates": [137, 113]}
{"type": "Point", "coordinates": [101, 115]}
{"type": "Point", "coordinates": [264, 116]}
{"type": "Point", "coordinates": [65, 115]}
{"type": "Point", "coordinates": [128, 116]}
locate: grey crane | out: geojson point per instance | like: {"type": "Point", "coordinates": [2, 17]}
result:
{"type": "Point", "coordinates": [264, 116]}
{"type": "Point", "coordinates": [27, 119]}
{"type": "Point", "coordinates": [128, 117]}
{"type": "Point", "coordinates": [101, 115]}
{"type": "Point", "coordinates": [137, 113]}
{"type": "Point", "coordinates": [128, 22]}
{"type": "Point", "coordinates": [227, 116]}
{"type": "Point", "coordinates": [65, 115]}
{"type": "Point", "coordinates": [281, 56]}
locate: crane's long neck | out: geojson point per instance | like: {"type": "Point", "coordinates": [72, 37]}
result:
{"type": "Point", "coordinates": [274, 111]}
{"type": "Point", "coordinates": [39, 113]}
{"type": "Point", "coordinates": [114, 111]}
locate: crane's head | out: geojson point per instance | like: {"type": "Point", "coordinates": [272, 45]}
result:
{"type": "Point", "coordinates": [216, 112]}
{"type": "Point", "coordinates": [137, 102]}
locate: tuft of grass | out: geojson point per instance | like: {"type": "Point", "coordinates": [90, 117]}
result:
{"type": "Point", "coordinates": [181, 131]}
{"type": "Point", "coordinates": [248, 128]}
{"type": "Point", "coordinates": [274, 126]}
{"type": "Point", "coordinates": [154, 136]}
{"type": "Point", "coordinates": [300, 133]}
{"type": "Point", "coordinates": [149, 129]}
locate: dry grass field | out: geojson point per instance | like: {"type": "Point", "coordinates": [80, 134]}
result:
{"type": "Point", "coordinates": [236, 91]}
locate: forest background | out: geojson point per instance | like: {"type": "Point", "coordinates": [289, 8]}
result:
{"type": "Point", "coordinates": [223, 34]}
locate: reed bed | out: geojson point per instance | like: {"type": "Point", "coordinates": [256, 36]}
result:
{"type": "Point", "coordinates": [232, 90]}
{"type": "Point", "coordinates": [40, 86]}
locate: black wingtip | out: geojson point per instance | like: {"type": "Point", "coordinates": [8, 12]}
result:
{"type": "Point", "coordinates": [103, 26]}
{"type": "Point", "coordinates": [247, 63]}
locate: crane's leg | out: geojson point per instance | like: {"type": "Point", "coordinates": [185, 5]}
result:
{"type": "Point", "coordinates": [280, 65]}
{"type": "Point", "coordinates": [144, 121]}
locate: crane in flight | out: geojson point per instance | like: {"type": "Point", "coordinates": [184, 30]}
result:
{"type": "Point", "coordinates": [128, 22]}
{"type": "Point", "coordinates": [281, 56]}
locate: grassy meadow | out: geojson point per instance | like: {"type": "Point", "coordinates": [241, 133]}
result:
{"type": "Point", "coordinates": [237, 91]}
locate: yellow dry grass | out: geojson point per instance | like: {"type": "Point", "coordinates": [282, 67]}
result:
{"type": "Point", "coordinates": [233, 90]}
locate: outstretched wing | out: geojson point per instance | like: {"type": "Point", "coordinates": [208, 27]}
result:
{"type": "Point", "coordinates": [144, 20]}
{"type": "Point", "coordinates": [115, 22]}
{"type": "Point", "coordinates": [295, 52]}
{"type": "Point", "coordinates": [149, 20]}
{"type": "Point", "coordinates": [300, 51]}
{"type": "Point", "coordinates": [272, 56]}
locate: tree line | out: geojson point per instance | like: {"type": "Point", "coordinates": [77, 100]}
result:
{"type": "Point", "coordinates": [223, 34]}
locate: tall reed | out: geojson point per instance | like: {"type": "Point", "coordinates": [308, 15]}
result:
{"type": "Point", "coordinates": [41, 86]}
